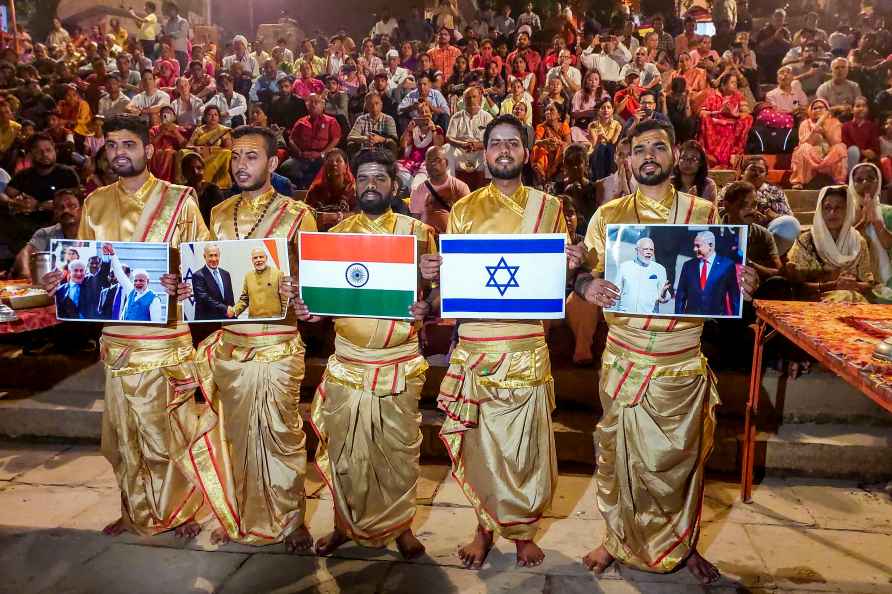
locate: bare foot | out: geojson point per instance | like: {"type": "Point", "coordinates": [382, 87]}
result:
{"type": "Point", "coordinates": [528, 553]}
{"type": "Point", "coordinates": [409, 546]}
{"type": "Point", "coordinates": [219, 536]}
{"type": "Point", "coordinates": [598, 560]}
{"type": "Point", "coordinates": [474, 553]}
{"type": "Point", "coordinates": [703, 570]}
{"type": "Point", "coordinates": [116, 528]}
{"type": "Point", "coordinates": [187, 531]}
{"type": "Point", "coordinates": [299, 541]}
{"type": "Point", "coordinates": [327, 545]}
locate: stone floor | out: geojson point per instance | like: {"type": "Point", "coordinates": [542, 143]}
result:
{"type": "Point", "coordinates": [797, 536]}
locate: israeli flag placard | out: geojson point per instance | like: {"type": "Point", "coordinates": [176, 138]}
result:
{"type": "Point", "coordinates": [503, 277]}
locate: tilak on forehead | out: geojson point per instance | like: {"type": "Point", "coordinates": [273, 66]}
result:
{"type": "Point", "coordinates": [249, 142]}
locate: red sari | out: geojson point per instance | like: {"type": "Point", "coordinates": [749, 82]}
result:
{"type": "Point", "coordinates": [723, 129]}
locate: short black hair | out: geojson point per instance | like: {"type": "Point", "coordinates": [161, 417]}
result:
{"type": "Point", "coordinates": [62, 192]}
{"type": "Point", "coordinates": [151, 5]}
{"type": "Point", "coordinates": [269, 138]}
{"type": "Point", "coordinates": [378, 156]}
{"type": "Point", "coordinates": [39, 137]}
{"type": "Point", "coordinates": [649, 125]}
{"type": "Point", "coordinates": [130, 123]}
{"type": "Point", "coordinates": [737, 191]}
{"type": "Point", "coordinates": [143, 72]}
{"type": "Point", "coordinates": [507, 119]}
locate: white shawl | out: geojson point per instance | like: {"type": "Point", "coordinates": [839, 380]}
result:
{"type": "Point", "coordinates": [843, 252]}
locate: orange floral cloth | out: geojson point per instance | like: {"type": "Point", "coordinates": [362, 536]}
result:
{"type": "Point", "coordinates": [838, 334]}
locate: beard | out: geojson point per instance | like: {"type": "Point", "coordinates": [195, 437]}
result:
{"type": "Point", "coordinates": [652, 179]}
{"type": "Point", "coordinates": [373, 203]}
{"type": "Point", "coordinates": [506, 171]}
{"type": "Point", "coordinates": [128, 168]}
{"type": "Point", "coordinates": [252, 186]}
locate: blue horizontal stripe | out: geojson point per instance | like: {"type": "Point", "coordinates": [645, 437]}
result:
{"type": "Point", "coordinates": [501, 246]}
{"type": "Point", "coordinates": [503, 305]}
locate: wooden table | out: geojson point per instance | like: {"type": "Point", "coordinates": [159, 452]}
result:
{"type": "Point", "coordinates": [841, 337]}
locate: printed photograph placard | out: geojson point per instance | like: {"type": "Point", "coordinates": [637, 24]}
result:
{"type": "Point", "coordinates": [234, 280]}
{"type": "Point", "coordinates": [677, 270]}
{"type": "Point", "coordinates": [111, 281]}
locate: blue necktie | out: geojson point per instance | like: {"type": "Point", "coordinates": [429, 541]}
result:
{"type": "Point", "coordinates": [219, 281]}
{"type": "Point", "coordinates": [75, 294]}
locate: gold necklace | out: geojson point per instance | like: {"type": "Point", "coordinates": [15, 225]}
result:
{"type": "Point", "coordinates": [238, 205]}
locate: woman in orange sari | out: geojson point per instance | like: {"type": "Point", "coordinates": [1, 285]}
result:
{"type": "Point", "coordinates": [820, 147]}
{"type": "Point", "coordinates": [724, 122]}
{"type": "Point", "coordinates": [696, 79]}
{"type": "Point", "coordinates": [167, 138]}
{"type": "Point", "coordinates": [552, 137]}
{"type": "Point", "coordinates": [333, 192]}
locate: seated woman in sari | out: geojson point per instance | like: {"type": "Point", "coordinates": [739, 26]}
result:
{"type": "Point", "coordinates": [820, 147]}
{"type": "Point", "coordinates": [696, 79]}
{"type": "Point", "coordinates": [552, 137]}
{"type": "Point", "coordinates": [420, 134]}
{"type": "Point", "coordinates": [831, 261]}
{"type": "Point", "coordinates": [724, 122]}
{"type": "Point", "coordinates": [212, 140]}
{"type": "Point", "coordinates": [872, 219]}
{"type": "Point", "coordinates": [167, 138]}
{"type": "Point", "coordinates": [516, 95]}
{"type": "Point", "coordinates": [603, 134]}
{"type": "Point", "coordinates": [332, 193]}
{"type": "Point", "coordinates": [166, 75]}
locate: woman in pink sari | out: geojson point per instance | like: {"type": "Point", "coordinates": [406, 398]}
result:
{"type": "Point", "coordinates": [820, 147]}
{"type": "Point", "coordinates": [724, 122]}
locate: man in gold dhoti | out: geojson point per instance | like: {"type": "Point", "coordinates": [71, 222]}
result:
{"type": "Point", "coordinates": [656, 389]}
{"type": "Point", "coordinates": [498, 394]}
{"type": "Point", "coordinates": [260, 293]}
{"type": "Point", "coordinates": [152, 426]}
{"type": "Point", "coordinates": [365, 411]}
{"type": "Point", "coordinates": [250, 373]}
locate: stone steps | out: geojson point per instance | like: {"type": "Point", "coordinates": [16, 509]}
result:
{"type": "Point", "coordinates": [826, 430]}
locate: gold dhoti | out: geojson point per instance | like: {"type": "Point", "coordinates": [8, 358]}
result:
{"type": "Point", "coordinates": [152, 424]}
{"type": "Point", "coordinates": [659, 399]}
{"type": "Point", "coordinates": [365, 413]}
{"type": "Point", "coordinates": [498, 396]}
{"type": "Point", "coordinates": [251, 375]}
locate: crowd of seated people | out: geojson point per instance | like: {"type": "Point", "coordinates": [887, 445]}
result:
{"type": "Point", "coordinates": [821, 98]}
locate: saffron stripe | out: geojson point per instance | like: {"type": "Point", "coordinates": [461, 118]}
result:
{"type": "Point", "coordinates": [501, 246]}
{"type": "Point", "coordinates": [357, 247]}
{"type": "Point", "coordinates": [503, 305]}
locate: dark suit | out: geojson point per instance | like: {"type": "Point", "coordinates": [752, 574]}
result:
{"type": "Point", "coordinates": [110, 300]}
{"type": "Point", "coordinates": [720, 291]}
{"type": "Point", "coordinates": [88, 302]}
{"type": "Point", "coordinates": [210, 304]}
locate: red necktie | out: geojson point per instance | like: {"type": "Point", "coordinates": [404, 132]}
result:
{"type": "Point", "coordinates": [703, 275]}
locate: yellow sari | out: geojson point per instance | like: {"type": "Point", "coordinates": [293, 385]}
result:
{"type": "Point", "coordinates": [208, 143]}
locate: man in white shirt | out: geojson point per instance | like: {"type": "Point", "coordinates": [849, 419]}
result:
{"type": "Point", "coordinates": [140, 302]}
{"type": "Point", "coordinates": [240, 47]}
{"type": "Point", "coordinates": [187, 107]}
{"type": "Point", "coordinates": [465, 138]}
{"type": "Point", "coordinates": [113, 102]}
{"type": "Point", "coordinates": [385, 26]}
{"type": "Point", "coordinates": [642, 281]}
{"type": "Point", "coordinates": [607, 56]}
{"type": "Point", "coordinates": [232, 105]}
{"type": "Point", "coordinates": [396, 74]}
{"type": "Point", "coordinates": [150, 100]}
{"type": "Point", "coordinates": [564, 70]}
{"type": "Point", "coordinates": [648, 73]}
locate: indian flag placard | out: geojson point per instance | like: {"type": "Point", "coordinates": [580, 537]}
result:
{"type": "Point", "coordinates": [358, 275]}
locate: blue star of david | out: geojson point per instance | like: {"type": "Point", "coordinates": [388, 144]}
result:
{"type": "Point", "coordinates": [512, 276]}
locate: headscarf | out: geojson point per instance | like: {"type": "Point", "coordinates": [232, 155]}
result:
{"type": "Point", "coordinates": [842, 252]}
{"type": "Point", "coordinates": [812, 104]}
{"type": "Point", "coordinates": [880, 256]}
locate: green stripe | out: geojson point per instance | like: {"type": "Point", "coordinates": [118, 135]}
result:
{"type": "Point", "coordinates": [379, 303]}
